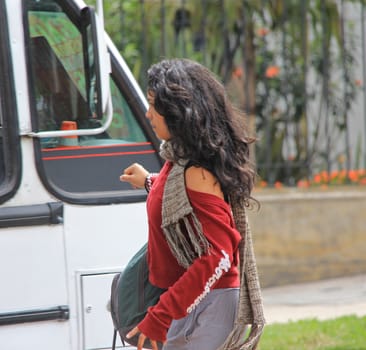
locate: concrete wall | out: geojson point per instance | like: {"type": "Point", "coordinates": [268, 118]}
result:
{"type": "Point", "coordinates": [308, 235]}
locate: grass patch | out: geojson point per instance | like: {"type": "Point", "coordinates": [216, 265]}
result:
{"type": "Point", "coordinates": [344, 333]}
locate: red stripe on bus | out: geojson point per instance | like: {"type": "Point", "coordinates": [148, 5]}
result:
{"type": "Point", "coordinates": [101, 146]}
{"type": "Point", "coordinates": [98, 155]}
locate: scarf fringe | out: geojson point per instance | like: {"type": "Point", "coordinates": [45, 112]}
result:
{"type": "Point", "coordinates": [178, 244]}
{"type": "Point", "coordinates": [198, 239]}
{"type": "Point", "coordinates": [186, 250]}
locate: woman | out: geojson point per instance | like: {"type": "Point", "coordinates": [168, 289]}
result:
{"type": "Point", "coordinates": [193, 241]}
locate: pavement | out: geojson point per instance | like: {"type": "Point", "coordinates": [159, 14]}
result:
{"type": "Point", "coordinates": [325, 299]}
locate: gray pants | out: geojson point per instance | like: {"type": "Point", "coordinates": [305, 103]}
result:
{"type": "Point", "coordinates": [208, 325]}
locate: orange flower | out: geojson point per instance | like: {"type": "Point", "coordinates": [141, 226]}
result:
{"type": "Point", "coordinates": [324, 175]}
{"type": "Point", "coordinates": [317, 179]}
{"type": "Point", "coordinates": [262, 32]}
{"type": "Point", "coordinates": [358, 82]}
{"type": "Point", "coordinates": [303, 184]}
{"type": "Point", "coordinates": [353, 175]}
{"type": "Point", "coordinates": [272, 71]}
{"type": "Point", "coordinates": [237, 72]}
{"type": "Point", "coordinates": [263, 183]}
{"type": "Point", "coordinates": [278, 184]}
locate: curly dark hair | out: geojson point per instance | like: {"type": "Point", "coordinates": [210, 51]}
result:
{"type": "Point", "coordinates": [204, 125]}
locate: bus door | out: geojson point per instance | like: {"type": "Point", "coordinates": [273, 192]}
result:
{"type": "Point", "coordinates": [91, 222]}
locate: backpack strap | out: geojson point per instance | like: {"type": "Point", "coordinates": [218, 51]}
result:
{"type": "Point", "coordinates": [115, 339]}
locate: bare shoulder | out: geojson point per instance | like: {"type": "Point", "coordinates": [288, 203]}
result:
{"type": "Point", "coordinates": [202, 180]}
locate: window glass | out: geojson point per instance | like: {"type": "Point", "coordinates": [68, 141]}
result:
{"type": "Point", "coordinates": [124, 124]}
{"type": "Point", "coordinates": [58, 70]}
{"type": "Point", "coordinates": [124, 127]}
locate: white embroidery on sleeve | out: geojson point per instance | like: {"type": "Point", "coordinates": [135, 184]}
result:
{"type": "Point", "coordinates": [224, 265]}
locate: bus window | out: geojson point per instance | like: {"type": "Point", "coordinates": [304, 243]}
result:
{"type": "Point", "coordinates": [124, 127]}
{"type": "Point", "coordinates": [80, 169]}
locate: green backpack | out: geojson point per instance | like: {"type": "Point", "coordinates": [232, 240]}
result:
{"type": "Point", "coordinates": [131, 295]}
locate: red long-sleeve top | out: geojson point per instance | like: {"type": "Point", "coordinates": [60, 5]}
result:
{"type": "Point", "coordinates": [187, 287]}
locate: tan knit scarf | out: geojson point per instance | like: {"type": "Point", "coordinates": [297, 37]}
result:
{"type": "Point", "coordinates": [177, 212]}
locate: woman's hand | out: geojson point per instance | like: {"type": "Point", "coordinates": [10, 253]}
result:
{"type": "Point", "coordinates": [135, 174]}
{"type": "Point", "coordinates": [141, 340]}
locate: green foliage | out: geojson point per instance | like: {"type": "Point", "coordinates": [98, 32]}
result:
{"type": "Point", "coordinates": [264, 51]}
{"type": "Point", "coordinates": [344, 333]}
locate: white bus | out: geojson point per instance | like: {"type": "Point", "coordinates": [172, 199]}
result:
{"type": "Point", "coordinates": [67, 224]}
